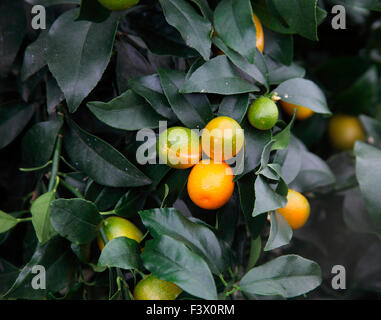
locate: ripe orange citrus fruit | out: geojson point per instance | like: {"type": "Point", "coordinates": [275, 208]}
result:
{"type": "Point", "coordinates": [115, 227]}
{"type": "Point", "coordinates": [222, 138]}
{"type": "Point", "coordinates": [297, 210]}
{"type": "Point", "coordinates": [344, 131]}
{"type": "Point", "coordinates": [210, 184]}
{"type": "Point", "coordinates": [263, 113]}
{"type": "Point", "coordinates": [260, 40]}
{"type": "Point", "coordinates": [118, 5]}
{"type": "Point", "coordinates": [152, 288]}
{"type": "Point", "coordinates": [302, 112]}
{"type": "Point", "coordinates": [179, 147]}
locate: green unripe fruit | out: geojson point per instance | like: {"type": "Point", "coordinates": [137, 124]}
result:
{"type": "Point", "coordinates": [118, 5]}
{"type": "Point", "coordinates": [263, 113]}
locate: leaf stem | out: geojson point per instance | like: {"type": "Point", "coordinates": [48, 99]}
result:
{"type": "Point", "coordinates": [56, 160]}
{"type": "Point", "coordinates": [223, 280]}
{"type": "Point", "coordinates": [71, 189]}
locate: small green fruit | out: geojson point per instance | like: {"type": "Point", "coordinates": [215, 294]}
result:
{"type": "Point", "coordinates": [118, 5]}
{"type": "Point", "coordinates": [263, 113]}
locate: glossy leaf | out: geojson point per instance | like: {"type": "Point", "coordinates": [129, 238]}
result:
{"type": "Point", "coordinates": [192, 110]}
{"type": "Point", "coordinates": [150, 89]}
{"type": "Point", "coordinates": [279, 73]}
{"type": "Point", "coordinates": [217, 76]}
{"type": "Point", "coordinates": [106, 165]}
{"type": "Point", "coordinates": [8, 275]}
{"type": "Point", "coordinates": [59, 263]}
{"type": "Point", "coordinates": [78, 53]}
{"type": "Point", "coordinates": [280, 232]}
{"type": "Point", "coordinates": [258, 71]}
{"type": "Point", "coordinates": [288, 276]}
{"type": "Point", "coordinates": [368, 175]}
{"type": "Point", "coordinates": [12, 25]}
{"type": "Point", "coordinates": [266, 199]}
{"type": "Point", "coordinates": [38, 143]}
{"type": "Point", "coordinates": [372, 128]}
{"type": "Point", "coordinates": [194, 29]}
{"type": "Point", "coordinates": [314, 173]}
{"type": "Point", "coordinates": [14, 116]}
{"type": "Point", "coordinates": [234, 107]}
{"type": "Point", "coordinates": [304, 93]}
{"type": "Point", "coordinates": [234, 24]}
{"type": "Point", "coordinates": [201, 239]}
{"type": "Point", "coordinates": [121, 253]}
{"type": "Point", "coordinates": [171, 260]}
{"type": "Point", "coordinates": [75, 219]}
{"type": "Point", "coordinates": [127, 112]}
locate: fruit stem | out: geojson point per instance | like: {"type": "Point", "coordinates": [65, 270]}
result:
{"type": "Point", "coordinates": [223, 280]}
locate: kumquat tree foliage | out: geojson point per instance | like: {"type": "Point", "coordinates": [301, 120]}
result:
{"type": "Point", "coordinates": [190, 149]}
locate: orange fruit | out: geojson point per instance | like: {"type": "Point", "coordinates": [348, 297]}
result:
{"type": "Point", "coordinates": [210, 184]}
{"type": "Point", "coordinates": [302, 112]}
{"type": "Point", "coordinates": [222, 138]}
{"type": "Point", "coordinates": [153, 288]}
{"type": "Point", "coordinates": [179, 147]}
{"type": "Point", "coordinates": [115, 227]}
{"type": "Point", "coordinates": [118, 5]}
{"type": "Point", "coordinates": [260, 38]}
{"type": "Point", "coordinates": [297, 210]}
{"type": "Point", "coordinates": [344, 131]}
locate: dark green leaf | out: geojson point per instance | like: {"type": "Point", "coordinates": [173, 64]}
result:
{"type": "Point", "coordinates": [257, 71]}
{"type": "Point", "coordinates": [279, 73]}
{"type": "Point", "coordinates": [170, 260]}
{"type": "Point", "coordinates": [101, 161]}
{"type": "Point", "coordinates": [282, 139]}
{"type": "Point", "coordinates": [47, 3]}
{"type": "Point", "coordinates": [130, 203]}
{"type": "Point", "coordinates": [192, 110]}
{"type": "Point", "coordinates": [217, 76]}
{"type": "Point", "coordinates": [127, 112]}
{"type": "Point", "coordinates": [54, 94]}
{"type": "Point", "coordinates": [234, 24]}
{"type": "Point", "coordinates": [314, 173]}
{"type": "Point", "coordinates": [204, 8]}
{"type": "Point", "coordinates": [8, 274]}
{"type": "Point", "coordinates": [300, 15]}
{"type": "Point", "coordinates": [194, 29]}
{"type": "Point", "coordinates": [12, 26]}
{"type": "Point", "coordinates": [121, 253]}
{"type": "Point", "coordinates": [304, 93]}
{"type": "Point", "coordinates": [59, 262]}
{"type": "Point", "coordinates": [247, 198]}
{"type": "Point", "coordinates": [201, 239]}
{"type": "Point", "coordinates": [266, 199]}
{"type": "Point", "coordinates": [78, 53]}
{"type": "Point", "coordinates": [255, 142]}
{"type": "Point", "coordinates": [150, 89]}
{"type": "Point", "coordinates": [14, 116]}
{"type": "Point", "coordinates": [75, 219]}
{"type": "Point", "coordinates": [369, 176]}
{"type": "Point", "coordinates": [288, 276]}
{"type": "Point", "coordinates": [234, 107]}
{"type": "Point", "coordinates": [280, 47]}
{"type": "Point", "coordinates": [280, 232]}
{"type": "Point", "coordinates": [34, 57]}
{"type": "Point", "coordinates": [38, 143]}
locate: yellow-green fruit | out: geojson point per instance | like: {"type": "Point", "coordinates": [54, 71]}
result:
{"type": "Point", "coordinates": [115, 227]}
{"type": "Point", "coordinates": [118, 5]}
{"type": "Point", "coordinates": [263, 113]}
{"type": "Point", "coordinates": [344, 131]}
{"type": "Point", "coordinates": [152, 288]}
{"type": "Point", "coordinates": [179, 147]}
